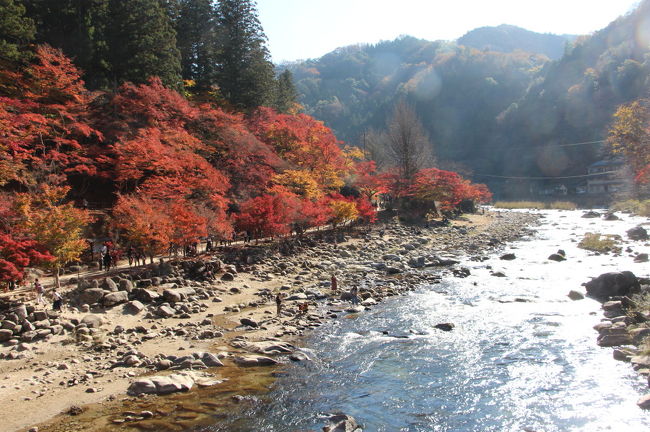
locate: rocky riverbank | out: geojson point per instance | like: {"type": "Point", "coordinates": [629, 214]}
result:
{"type": "Point", "coordinates": [211, 323]}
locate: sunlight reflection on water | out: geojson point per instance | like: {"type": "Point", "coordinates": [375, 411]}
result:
{"type": "Point", "coordinates": [508, 365]}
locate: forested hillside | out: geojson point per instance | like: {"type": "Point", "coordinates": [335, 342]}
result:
{"type": "Point", "coordinates": [508, 38]}
{"type": "Point", "coordinates": [492, 112]}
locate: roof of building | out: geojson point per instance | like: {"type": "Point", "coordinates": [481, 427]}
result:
{"type": "Point", "coordinates": [607, 162]}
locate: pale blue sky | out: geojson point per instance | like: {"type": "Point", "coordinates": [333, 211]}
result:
{"type": "Point", "coordinates": [302, 29]}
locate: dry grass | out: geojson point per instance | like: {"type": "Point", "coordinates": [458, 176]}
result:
{"type": "Point", "coordinates": [555, 205]}
{"type": "Point", "coordinates": [638, 207]}
{"type": "Point", "coordinates": [600, 242]}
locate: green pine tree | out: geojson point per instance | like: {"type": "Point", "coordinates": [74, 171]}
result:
{"type": "Point", "coordinates": [196, 30]}
{"type": "Point", "coordinates": [285, 93]}
{"type": "Point", "coordinates": [244, 71]}
{"type": "Point", "coordinates": [79, 28]}
{"type": "Point", "coordinates": [16, 31]}
{"type": "Point", "coordinates": [142, 43]}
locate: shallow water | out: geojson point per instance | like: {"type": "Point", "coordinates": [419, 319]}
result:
{"type": "Point", "coordinates": [522, 356]}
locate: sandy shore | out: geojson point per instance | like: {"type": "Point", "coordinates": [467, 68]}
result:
{"type": "Point", "coordinates": [91, 375]}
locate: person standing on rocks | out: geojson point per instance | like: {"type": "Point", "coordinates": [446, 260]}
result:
{"type": "Point", "coordinates": [334, 284]}
{"type": "Point", "coordinates": [278, 303]}
{"type": "Point", "coordinates": [57, 300]}
{"type": "Point", "coordinates": [353, 295]}
{"type": "Point", "coordinates": [39, 291]}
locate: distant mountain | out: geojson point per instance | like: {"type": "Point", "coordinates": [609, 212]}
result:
{"type": "Point", "coordinates": [507, 38]}
{"type": "Point", "coordinates": [495, 113]}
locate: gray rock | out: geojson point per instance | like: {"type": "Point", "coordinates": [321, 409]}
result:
{"type": "Point", "coordinates": [254, 360]}
{"type": "Point", "coordinates": [342, 423]}
{"type": "Point", "coordinates": [637, 233]}
{"type": "Point", "coordinates": [211, 360]}
{"type": "Point", "coordinates": [5, 335]}
{"type": "Point", "coordinates": [133, 307]}
{"type": "Point", "coordinates": [91, 295]}
{"type": "Point", "coordinates": [178, 294]}
{"type": "Point", "coordinates": [557, 257]}
{"type": "Point", "coordinates": [92, 321]}
{"type": "Point", "coordinates": [126, 285]}
{"type": "Point", "coordinates": [145, 295]}
{"type": "Point", "coordinates": [110, 285]}
{"type": "Point", "coordinates": [249, 322]}
{"type": "Point", "coordinates": [115, 298]}
{"type": "Point", "coordinates": [165, 311]}
{"type": "Point", "coordinates": [508, 257]}
{"type": "Point", "coordinates": [612, 284]}
{"type": "Point", "coordinates": [575, 295]}
{"type": "Point", "coordinates": [227, 277]}
{"type": "Point", "coordinates": [641, 258]}
{"type": "Point", "coordinates": [297, 296]}
{"type": "Point", "coordinates": [644, 402]}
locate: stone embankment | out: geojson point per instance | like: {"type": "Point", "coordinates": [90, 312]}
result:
{"type": "Point", "coordinates": [218, 314]}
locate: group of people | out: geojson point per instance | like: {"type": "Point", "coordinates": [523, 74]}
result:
{"type": "Point", "coordinates": [304, 307]}
{"type": "Point", "coordinates": [57, 299]}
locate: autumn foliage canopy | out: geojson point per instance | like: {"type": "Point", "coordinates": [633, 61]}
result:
{"type": "Point", "coordinates": [165, 170]}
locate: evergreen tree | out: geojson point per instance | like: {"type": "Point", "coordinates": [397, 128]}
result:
{"type": "Point", "coordinates": [285, 94]}
{"type": "Point", "coordinates": [244, 71]}
{"type": "Point", "coordinates": [197, 41]}
{"type": "Point", "coordinates": [78, 27]}
{"type": "Point", "coordinates": [16, 30]}
{"type": "Point", "coordinates": [142, 43]}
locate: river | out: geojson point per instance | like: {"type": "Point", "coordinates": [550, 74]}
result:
{"type": "Point", "coordinates": [522, 356]}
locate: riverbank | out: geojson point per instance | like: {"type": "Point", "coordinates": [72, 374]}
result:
{"type": "Point", "coordinates": [97, 366]}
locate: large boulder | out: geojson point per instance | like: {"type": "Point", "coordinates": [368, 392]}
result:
{"type": "Point", "coordinates": [637, 233]}
{"type": "Point", "coordinates": [5, 335]}
{"type": "Point", "coordinates": [91, 295]}
{"type": "Point", "coordinates": [612, 284]}
{"type": "Point", "coordinates": [178, 294]}
{"type": "Point", "coordinates": [145, 295]}
{"type": "Point", "coordinates": [134, 307]}
{"type": "Point", "coordinates": [115, 298]}
{"type": "Point", "coordinates": [162, 384]}
{"type": "Point", "coordinates": [126, 285]}
{"type": "Point", "coordinates": [92, 321]}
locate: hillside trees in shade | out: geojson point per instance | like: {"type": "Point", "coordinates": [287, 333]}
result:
{"type": "Point", "coordinates": [142, 43]}
{"type": "Point", "coordinates": [16, 31]}
{"type": "Point", "coordinates": [197, 41]}
{"type": "Point", "coordinates": [286, 96]}
{"type": "Point", "coordinates": [245, 73]}
{"type": "Point", "coordinates": [79, 28]}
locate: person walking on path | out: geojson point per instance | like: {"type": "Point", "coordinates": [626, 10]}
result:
{"type": "Point", "coordinates": [57, 300]}
{"type": "Point", "coordinates": [39, 291]}
{"type": "Point", "coordinates": [278, 303]}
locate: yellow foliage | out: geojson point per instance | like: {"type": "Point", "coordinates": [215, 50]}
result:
{"type": "Point", "coordinates": [299, 182]}
{"type": "Point", "coordinates": [56, 225]}
{"type": "Point", "coordinates": [629, 134]}
{"type": "Point", "coordinates": [343, 211]}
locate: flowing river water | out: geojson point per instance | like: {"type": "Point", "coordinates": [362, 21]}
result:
{"type": "Point", "coordinates": [522, 356]}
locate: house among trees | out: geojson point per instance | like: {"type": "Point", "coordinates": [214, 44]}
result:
{"type": "Point", "coordinates": [608, 176]}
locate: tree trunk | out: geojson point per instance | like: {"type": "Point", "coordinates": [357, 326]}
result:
{"type": "Point", "coordinates": [57, 281]}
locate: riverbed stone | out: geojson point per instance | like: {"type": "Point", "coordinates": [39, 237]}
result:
{"type": "Point", "coordinates": [91, 295]}
{"type": "Point", "coordinates": [637, 233]}
{"type": "Point", "coordinates": [575, 295]}
{"type": "Point", "coordinates": [612, 284]}
{"type": "Point", "coordinates": [115, 298]}
{"type": "Point", "coordinates": [92, 321]}
{"type": "Point", "coordinates": [644, 402]}
{"type": "Point", "coordinates": [254, 360]}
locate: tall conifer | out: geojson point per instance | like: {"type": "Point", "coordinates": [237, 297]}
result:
{"type": "Point", "coordinates": [16, 30]}
{"type": "Point", "coordinates": [142, 43]}
{"type": "Point", "coordinates": [244, 70]}
{"type": "Point", "coordinates": [197, 41]}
